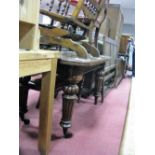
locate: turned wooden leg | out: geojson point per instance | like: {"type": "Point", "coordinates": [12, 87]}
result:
{"type": "Point", "coordinates": [80, 90]}
{"type": "Point", "coordinates": [69, 96]}
{"type": "Point", "coordinates": [98, 84]}
{"type": "Point", "coordinates": [23, 95]}
{"type": "Point", "coordinates": [102, 91]}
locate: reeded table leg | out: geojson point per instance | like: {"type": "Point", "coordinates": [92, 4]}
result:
{"type": "Point", "coordinates": [69, 96]}
{"type": "Point", "coordinates": [98, 84]}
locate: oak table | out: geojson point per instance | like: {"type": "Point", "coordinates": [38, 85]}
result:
{"type": "Point", "coordinates": [45, 62]}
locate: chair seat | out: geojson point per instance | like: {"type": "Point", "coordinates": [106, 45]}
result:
{"type": "Point", "coordinates": [89, 62]}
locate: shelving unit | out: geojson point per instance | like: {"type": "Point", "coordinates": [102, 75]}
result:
{"type": "Point", "coordinates": [34, 61]}
{"type": "Point", "coordinates": [28, 24]}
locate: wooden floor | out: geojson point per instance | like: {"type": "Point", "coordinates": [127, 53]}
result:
{"type": "Point", "coordinates": [127, 146]}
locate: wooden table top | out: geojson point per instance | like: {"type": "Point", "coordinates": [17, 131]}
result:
{"type": "Point", "coordinates": [37, 54]}
{"type": "Point", "coordinates": [42, 61]}
{"type": "Point", "coordinates": [35, 61]}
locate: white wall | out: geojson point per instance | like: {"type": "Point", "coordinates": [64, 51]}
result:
{"type": "Point", "coordinates": [128, 9]}
{"type": "Point", "coordinates": [129, 21]}
{"type": "Point", "coordinates": [129, 15]}
{"type": "Point", "coordinates": [129, 29]}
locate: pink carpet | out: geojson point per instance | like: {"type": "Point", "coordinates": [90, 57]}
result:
{"type": "Point", "coordinates": [97, 128]}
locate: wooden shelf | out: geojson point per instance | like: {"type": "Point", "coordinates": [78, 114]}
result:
{"type": "Point", "coordinates": [28, 24]}
{"type": "Point", "coordinates": [29, 11]}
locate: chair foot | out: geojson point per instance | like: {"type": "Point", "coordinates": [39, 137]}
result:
{"type": "Point", "coordinates": [25, 120]}
{"type": "Point", "coordinates": [96, 98]}
{"type": "Point", "coordinates": [66, 133]}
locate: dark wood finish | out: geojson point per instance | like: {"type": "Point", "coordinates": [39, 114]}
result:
{"type": "Point", "coordinates": [77, 59]}
{"type": "Point", "coordinates": [120, 71]}
{"type": "Point", "coordinates": [71, 76]}
{"type": "Point", "coordinates": [23, 94]}
{"type": "Point", "coordinates": [99, 85]}
{"type": "Point", "coordinates": [69, 96]}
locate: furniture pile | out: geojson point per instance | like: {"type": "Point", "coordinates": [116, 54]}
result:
{"type": "Point", "coordinates": [109, 44]}
{"type": "Point", "coordinates": [32, 61]}
{"type": "Point", "coordinates": [85, 63]}
{"type": "Point", "coordinates": [71, 24]}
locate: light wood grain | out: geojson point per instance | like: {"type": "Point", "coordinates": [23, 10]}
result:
{"type": "Point", "coordinates": [78, 8]}
{"type": "Point", "coordinates": [68, 43]}
{"type": "Point", "coordinates": [29, 11]}
{"type": "Point", "coordinates": [28, 36]}
{"type": "Point", "coordinates": [63, 19]}
{"type": "Point", "coordinates": [45, 63]}
{"type": "Point", "coordinates": [124, 43]}
{"type": "Point", "coordinates": [57, 32]}
{"type": "Point", "coordinates": [38, 54]}
{"type": "Point", "coordinates": [33, 67]}
{"type": "Point", "coordinates": [46, 106]}
{"type": "Point", "coordinates": [28, 24]}
{"type": "Point", "coordinates": [116, 22]}
{"type": "Point", "coordinates": [31, 62]}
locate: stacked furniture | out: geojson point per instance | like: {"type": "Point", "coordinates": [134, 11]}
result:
{"type": "Point", "coordinates": [116, 25]}
{"type": "Point", "coordinates": [78, 58]}
{"type": "Point", "coordinates": [123, 50]}
{"type": "Point", "coordinates": [28, 24]}
{"type": "Point", "coordinates": [66, 33]}
{"type": "Point", "coordinates": [34, 61]}
{"type": "Point", "coordinates": [108, 47]}
{"type": "Point", "coordinates": [124, 43]}
{"type": "Point", "coordinates": [28, 41]}
{"type": "Point", "coordinates": [109, 44]}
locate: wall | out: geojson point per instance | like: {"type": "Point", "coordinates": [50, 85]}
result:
{"type": "Point", "coordinates": [129, 29]}
{"type": "Point", "coordinates": [128, 9]}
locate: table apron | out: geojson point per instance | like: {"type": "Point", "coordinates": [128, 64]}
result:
{"type": "Point", "coordinates": [33, 67]}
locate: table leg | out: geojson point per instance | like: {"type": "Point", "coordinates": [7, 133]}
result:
{"type": "Point", "coordinates": [69, 97]}
{"type": "Point", "coordinates": [80, 90]}
{"type": "Point", "coordinates": [46, 105]}
{"type": "Point", "coordinates": [102, 91]}
{"type": "Point", "coordinates": [98, 85]}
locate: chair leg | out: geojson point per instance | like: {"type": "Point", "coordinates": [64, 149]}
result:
{"type": "Point", "coordinates": [23, 95]}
